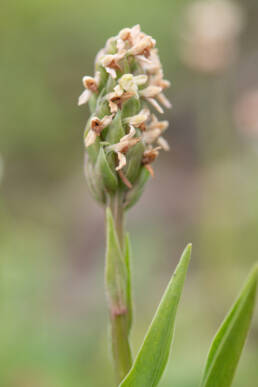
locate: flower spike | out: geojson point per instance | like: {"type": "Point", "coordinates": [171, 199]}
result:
{"type": "Point", "coordinates": [123, 137]}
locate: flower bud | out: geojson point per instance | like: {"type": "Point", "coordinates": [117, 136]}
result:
{"type": "Point", "coordinates": [122, 137]}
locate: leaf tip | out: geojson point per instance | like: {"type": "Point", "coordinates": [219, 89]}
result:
{"type": "Point", "coordinates": [254, 274]}
{"type": "Point", "coordinates": [187, 251]}
{"type": "Point", "coordinates": [189, 247]}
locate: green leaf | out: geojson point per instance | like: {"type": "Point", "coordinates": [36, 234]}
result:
{"type": "Point", "coordinates": [128, 255]}
{"type": "Point", "coordinates": [228, 343]}
{"type": "Point", "coordinates": [153, 354]}
{"type": "Point", "coordinates": [115, 271]}
{"type": "Point", "coordinates": [104, 172]}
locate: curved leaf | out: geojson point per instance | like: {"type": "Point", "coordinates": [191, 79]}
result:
{"type": "Point", "coordinates": [228, 343]}
{"type": "Point", "coordinates": [153, 354]}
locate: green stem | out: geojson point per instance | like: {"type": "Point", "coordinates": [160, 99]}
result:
{"type": "Point", "coordinates": [119, 318]}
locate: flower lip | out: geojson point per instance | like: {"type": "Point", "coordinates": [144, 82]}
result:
{"type": "Point", "coordinates": [90, 83]}
{"type": "Point", "coordinates": [150, 155]}
{"type": "Point", "coordinates": [97, 125]}
{"type": "Point", "coordinates": [121, 148]}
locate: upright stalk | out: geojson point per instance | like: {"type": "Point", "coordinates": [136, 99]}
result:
{"type": "Point", "coordinates": [122, 139]}
{"type": "Point", "coordinates": [119, 316]}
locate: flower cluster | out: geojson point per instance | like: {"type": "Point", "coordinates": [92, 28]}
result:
{"type": "Point", "coordinates": [128, 81]}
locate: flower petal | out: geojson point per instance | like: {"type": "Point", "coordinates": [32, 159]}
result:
{"type": "Point", "coordinates": [121, 161]}
{"type": "Point", "coordinates": [90, 138]}
{"type": "Point", "coordinates": [84, 97]}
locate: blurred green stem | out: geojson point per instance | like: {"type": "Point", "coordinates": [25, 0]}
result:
{"type": "Point", "coordinates": [119, 318]}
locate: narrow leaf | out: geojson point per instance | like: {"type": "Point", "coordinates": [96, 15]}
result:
{"type": "Point", "coordinates": [153, 354]}
{"type": "Point", "coordinates": [228, 343]}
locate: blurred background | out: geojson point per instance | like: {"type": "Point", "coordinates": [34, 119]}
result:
{"type": "Point", "coordinates": [53, 317]}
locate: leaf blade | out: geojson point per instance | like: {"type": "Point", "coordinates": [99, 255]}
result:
{"type": "Point", "coordinates": [153, 354]}
{"type": "Point", "coordinates": [229, 340]}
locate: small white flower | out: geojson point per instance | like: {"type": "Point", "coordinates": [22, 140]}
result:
{"type": "Point", "coordinates": [90, 138]}
{"type": "Point", "coordinates": [140, 79]}
{"type": "Point", "coordinates": [164, 100]}
{"type": "Point", "coordinates": [143, 61]}
{"type": "Point", "coordinates": [111, 62]}
{"type": "Point", "coordinates": [142, 46]}
{"type": "Point", "coordinates": [138, 119]}
{"type": "Point", "coordinates": [163, 143]}
{"type": "Point", "coordinates": [152, 65]}
{"type": "Point", "coordinates": [125, 143]}
{"type": "Point", "coordinates": [153, 133]}
{"type": "Point", "coordinates": [150, 136]}
{"type": "Point", "coordinates": [120, 45]}
{"type": "Point", "coordinates": [155, 123]}
{"type": "Point", "coordinates": [84, 97]}
{"type": "Point", "coordinates": [150, 155]}
{"type": "Point", "coordinates": [91, 85]}
{"type": "Point", "coordinates": [128, 83]}
{"type": "Point", "coordinates": [135, 31]}
{"type": "Point", "coordinates": [97, 125]}
{"type": "Point", "coordinates": [155, 104]}
{"type": "Point", "coordinates": [118, 90]}
{"type": "Point", "coordinates": [127, 87]}
{"type": "Point", "coordinates": [122, 92]}
{"type": "Point", "coordinates": [150, 91]}
{"type": "Point", "coordinates": [125, 34]}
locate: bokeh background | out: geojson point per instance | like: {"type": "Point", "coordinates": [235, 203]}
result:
{"type": "Point", "coordinates": [53, 318]}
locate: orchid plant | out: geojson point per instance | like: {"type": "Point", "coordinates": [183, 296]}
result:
{"type": "Point", "coordinates": [123, 137]}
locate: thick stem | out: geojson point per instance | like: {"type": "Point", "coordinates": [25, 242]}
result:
{"type": "Point", "coordinates": [119, 318]}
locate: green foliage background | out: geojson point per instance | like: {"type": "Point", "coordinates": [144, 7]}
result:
{"type": "Point", "coordinates": [52, 307]}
